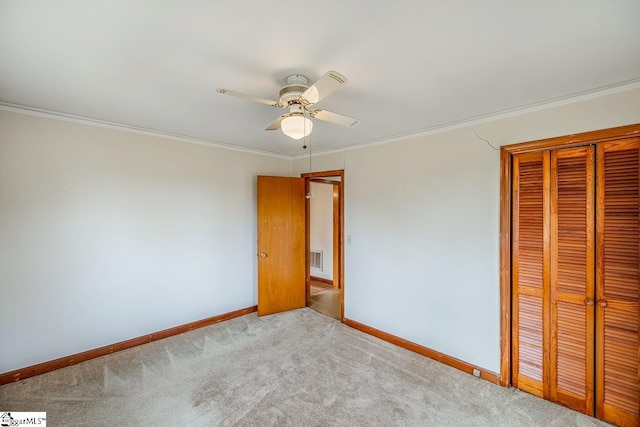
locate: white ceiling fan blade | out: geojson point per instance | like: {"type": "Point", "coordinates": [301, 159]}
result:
{"type": "Point", "coordinates": [325, 86]}
{"type": "Point", "coordinates": [338, 119]}
{"type": "Point", "coordinates": [276, 123]}
{"type": "Point", "coordinates": [250, 97]}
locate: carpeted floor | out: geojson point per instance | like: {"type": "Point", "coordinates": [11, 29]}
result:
{"type": "Point", "coordinates": [298, 368]}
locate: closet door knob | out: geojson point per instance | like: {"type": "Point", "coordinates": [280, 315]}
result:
{"type": "Point", "coordinates": [602, 303]}
{"type": "Point", "coordinates": [588, 301]}
{"type": "Point", "coordinates": [262, 255]}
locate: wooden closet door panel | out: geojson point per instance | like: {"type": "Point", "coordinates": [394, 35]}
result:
{"type": "Point", "coordinates": [530, 260]}
{"type": "Point", "coordinates": [617, 282]}
{"type": "Point", "coordinates": [572, 278]}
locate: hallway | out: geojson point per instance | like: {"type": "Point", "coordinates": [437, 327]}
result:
{"type": "Point", "coordinates": [325, 300]}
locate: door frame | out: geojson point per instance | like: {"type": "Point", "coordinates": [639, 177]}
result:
{"type": "Point", "coordinates": [506, 160]}
{"type": "Point", "coordinates": [307, 178]}
{"type": "Point", "coordinates": [335, 220]}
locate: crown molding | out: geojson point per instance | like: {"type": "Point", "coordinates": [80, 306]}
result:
{"type": "Point", "coordinates": [570, 99]}
{"type": "Point", "coordinates": [39, 112]}
{"type": "Point", "coordinates": [512, 112]}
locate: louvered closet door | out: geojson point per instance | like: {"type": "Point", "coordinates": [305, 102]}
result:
{"type": "Point", "coordinates": [572, 278]}
{"type": "Point", "coordinates": [617, 282]}
{"type": "Point", "coordinates": [530, 261]}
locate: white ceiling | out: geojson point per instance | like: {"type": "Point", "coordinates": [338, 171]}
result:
{"type": "Point", "coordinates": [411, 65]}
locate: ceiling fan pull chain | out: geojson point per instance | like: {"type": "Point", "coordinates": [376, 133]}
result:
{"type": "Point", "coordinates": [309, 143]}
{"type": "Point", "coordinates": [310, 194]}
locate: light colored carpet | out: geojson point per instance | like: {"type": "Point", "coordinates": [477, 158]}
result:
{"type": "Point", "coordinates": [298, 368]}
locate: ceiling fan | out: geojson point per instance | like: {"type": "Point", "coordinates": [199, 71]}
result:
{"type": "Point", "coordinates": [299, 97]}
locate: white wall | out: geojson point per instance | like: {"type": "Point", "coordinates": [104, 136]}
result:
{"type": "Point", "coordinates": [423, 216]}
{"type": "Point", "coordinates": [107, 235]}
{"type": "Point", "coordinates": [321, 227]}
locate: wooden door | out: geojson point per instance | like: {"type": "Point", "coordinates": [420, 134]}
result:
{"type": "Point", "coordinates": [572, 278]}
{"type": "Point", "coordinates": [617, 282]}
{"type": "Point", "coordinates": [281, 244]}
{"type": "Point", "coordinates": [530, 261]}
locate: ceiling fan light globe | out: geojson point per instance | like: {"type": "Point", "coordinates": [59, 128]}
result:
{"type": "Point", "coordinates": [296, 126]}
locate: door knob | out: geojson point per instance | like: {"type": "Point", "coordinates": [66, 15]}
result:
{"type": "Point", "coordinates": [602, 303]}
{"type": "Point", "coordinates": [588, 301]}
{"type": "Point", "coordinates": [262, 255]}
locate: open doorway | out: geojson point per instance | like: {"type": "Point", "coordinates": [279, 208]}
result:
{"type": "Point", "coordinates": [325, 255]}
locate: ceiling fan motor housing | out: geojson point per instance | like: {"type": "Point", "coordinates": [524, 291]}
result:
{"type": "Point", "coordinates": [289, 94]}
{"type": "Point", "coordinates": [297, 84]}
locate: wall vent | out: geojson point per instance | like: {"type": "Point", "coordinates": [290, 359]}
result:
{"type": "Point", "coordinates": [316, 259]}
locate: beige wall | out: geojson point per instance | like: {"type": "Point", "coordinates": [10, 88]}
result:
{"type": "Point", "coordinates": [423, 213]}
{"type": "Point", "coordinates": [107, 235]}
